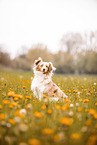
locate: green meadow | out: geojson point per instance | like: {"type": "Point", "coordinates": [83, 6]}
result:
{"type": "Point", "coordinates": [25, 120]}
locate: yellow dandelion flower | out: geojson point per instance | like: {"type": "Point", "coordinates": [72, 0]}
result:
{"type": "Point", "coordinates": [16, 98]}
{"type": "Point", "coordinates": [2, 116]}
{"type": "Point", "coordinates": [14, 104]}
{"type": "Point", "coordinates": [88, 122]}
{"type": "Point", "coordinates": [0, 106]}
{"type": "Point", "coordinates": [92, 111]}
{"type": "Point", "coordinates": [92, 140]}
{"type": "Point", "coordinates": [86, 100]}
{"type": "Point", "coordinates": [5, 102]}
{"type": "Point", "coordinates": [34, 141]}
{"type": "Point", "coordinates": [79, 109]}
{"type": "Point", "coordinates": [95, 104]}
{"type": "Point", "coordinates": [95, 115]}
{"type": "Point", "coordinates": [66, 121]}
{"type": "Point", "coordinates": [96, 125]}
{"type": "Point", "coordinates": [75, 136]}
{"type": "Point", "coordinates": [10, 106]}
{"type": "Point", "coordinates": [43, 107]}
{"type": "Point", "coordinates": [10, 93]}
{"type": "Point", "coordinates": [80, 100]}
{"type": "Point", "coordinates": [65, 107]}
{"type": "Point", "coordinates": [38, 114]}
{"type": "Point", "coordinates": [17, 113]}
{"type": "Point", "coordinates": [66, 100]}
{"type": "Point", "coordinates": [29, 97]}
{"type": "Point", "coordinates": [44, 95]}
{"type": "Point", "coordinates": [59, 136]}
{"type": "Point", "coordinates": [57, 107]}
{"type": "Point", "coordinates": [11, 121]}
{"type": "Point", "coordinates": [49, 111]}
{"type": "Point", "coordinates": [47, 131]}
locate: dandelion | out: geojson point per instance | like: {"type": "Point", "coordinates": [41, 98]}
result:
{"type": "Point", "coordinates": [92, 140]}
{"type": "Point", "coordinates": [88, 122]}
{"type": "Point", "coordinates": [66, 121]}
{"type": "Point", "coordinates": [44, 95]}
{"type": "Point", "coordinates": [10, 106]}
{"type": "Point", "coordinates": [49, 111]}
{"type": "Point", "coordinates": [29, 97]}
{"type": "Point", "coordinates": [95, 115]}
{"type": "Point", "coordinates": [79, 109]}
{"type": "Point", "coordinates": [59, 137]}
{"type": "Point", "coordinates": [11, 121]}
{"type": "Point", "coordinates": [92, 111]}
{"type": "Point", "coordinates": [17, 119]}
{"type": "Point", "coordinates": [65, 107]}
{"type": "Point", "coordinates": [2, 116]}
{"type": "Point", "coordinates": [14, 104]}
{"type": "Point", "coordinates": [71, 113]}
{"type": "Point", "coordinates": [5, 102]}
{"type": "Point", "coordinates": [96, 104]}
{"type": "Point", "coordinates": [86, 100]}
{"type": "Point", "coordinates": [57, 107]}
{"type": "Point", "coordinates": [18, 96]}
{"type": "Point", "coordinates": [11, 94]}
{"type": "Point", "coordinates": [16, 99]}
{"type": "Point", "coordinates": [23, 127]}
{"type": "Point", "coordinates": [17, 113]}
{"type": "Point", "coordinates": [75, 136]}
{"type": "Point", "coordinates": [71, 105]}
{"type": "Point", "coordinates": [23, 111]}
{"type": "Point", "coordinates": [29, 106]}
{"type": "Point", "coordinates": [47, 131]}
{"type": "Point", "coordinates": [84, 128]}
{"type": "Point", "coordinates": [33, 141]}
{"type": "Point", "coordinates": [0, 106]}
{"type": "Point", "coordinates": [43, 107]}
{"type": "Point", "coordinates": [38, 114]}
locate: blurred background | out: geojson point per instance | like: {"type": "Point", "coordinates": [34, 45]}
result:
{"type": "Point", "coordinates": [61, 31]}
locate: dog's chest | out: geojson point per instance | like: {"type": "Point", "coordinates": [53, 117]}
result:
{"type": "Point", "coordinates": [39, 83]}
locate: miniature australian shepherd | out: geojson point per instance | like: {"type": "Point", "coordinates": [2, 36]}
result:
{"type": "Point", "coordinates": [42, 82]}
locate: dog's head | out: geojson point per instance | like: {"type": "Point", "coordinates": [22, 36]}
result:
{"type": "Point", "coordinates": [44, 67]}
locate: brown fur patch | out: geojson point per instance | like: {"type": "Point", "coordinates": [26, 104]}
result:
{"type": "Point", "coordinates": [38, 68]}
{"type": "Point", "coordinates": [50, 67]}
{"type": "Point", "coordinates": [37, 62]}
{"type": "Point", "coordinates": [55, 90]}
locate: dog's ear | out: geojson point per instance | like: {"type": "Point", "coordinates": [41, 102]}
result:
{"type": "Point", "coordinates": [51, 67]}
{"type": "Point", "coordinates": [38, 61]}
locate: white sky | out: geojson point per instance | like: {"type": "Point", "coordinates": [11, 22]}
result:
{"type": "Point", "coordinates": [28, 22]}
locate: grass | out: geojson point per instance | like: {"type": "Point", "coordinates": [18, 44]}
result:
{"type": "Point", "coordinates": [25, 120]}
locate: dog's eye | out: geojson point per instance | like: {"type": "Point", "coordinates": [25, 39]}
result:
{"type": "Point", "coordinates": [42, 65]}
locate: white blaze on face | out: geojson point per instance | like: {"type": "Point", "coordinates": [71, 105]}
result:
{"type": "Point", "coordinates": [44, 67]}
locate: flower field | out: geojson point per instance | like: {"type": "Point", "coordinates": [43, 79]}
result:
{"type": "Point", "coordinates": [25, 120]}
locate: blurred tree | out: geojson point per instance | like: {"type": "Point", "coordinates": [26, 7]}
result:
{"type": "Point", "coordinates": [71, 42]}
{"type": "Point", "coordinates": [4, 57]}
{"type": "Point", "coordinates": [21, 62]}
{"type": "Point", "coordinates": [88, 63]}
{"type": "Point", "coordinates": [39, 50]}
{"type": "Point", "coordinates": [64, 62]}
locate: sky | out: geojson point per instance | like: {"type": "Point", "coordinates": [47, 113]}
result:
{"type": "Point", "coordinates": [28, 22]}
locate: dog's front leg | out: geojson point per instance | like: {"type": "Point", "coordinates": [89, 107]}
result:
{"type": "Point", "coordinates": [40, 95]}
{"type": "Point", "coordinates": [35, 92]}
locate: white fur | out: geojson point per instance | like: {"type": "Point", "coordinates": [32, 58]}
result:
{"type": "Point", "coordinates": [42, 82]}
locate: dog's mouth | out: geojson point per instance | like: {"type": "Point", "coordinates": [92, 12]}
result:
{"type": "Point", "coordinates": [46, 71]}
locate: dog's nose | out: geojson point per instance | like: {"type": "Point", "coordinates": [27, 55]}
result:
{"type": "Point", "coordinates": [43, 69]}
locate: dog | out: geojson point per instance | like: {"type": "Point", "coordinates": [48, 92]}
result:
{"type": "Point", "coordinates": [42, 82]}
